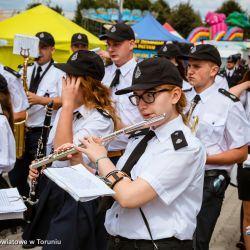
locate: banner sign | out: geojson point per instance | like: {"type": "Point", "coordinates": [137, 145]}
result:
{"type": "Point", "coordinates": [146, 49]}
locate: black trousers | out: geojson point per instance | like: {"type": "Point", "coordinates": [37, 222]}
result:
{"type": "Point", "coordinates": [210, 211]}
{"type": "Point", "coordinates": [120, 243]}
{"type": "Point", "coordinates": [19, 174]}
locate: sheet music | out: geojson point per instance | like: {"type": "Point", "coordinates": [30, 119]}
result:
{"type": "Point", "coordinates": [78, 182]}
{"type": "Point", "coordinates": [11, 204]}
{"type": "Point", "coordinates": [23, 42]}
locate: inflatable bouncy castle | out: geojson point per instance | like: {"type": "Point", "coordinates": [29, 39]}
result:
{"type": "Point", "coordinates": [221, 28]}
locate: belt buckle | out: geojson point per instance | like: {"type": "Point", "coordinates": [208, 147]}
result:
{"type": "Point", "coordinates": [117, 153]}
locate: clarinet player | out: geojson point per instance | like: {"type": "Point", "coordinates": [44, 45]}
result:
{"type": "Point", "coordinates": [87, 109]}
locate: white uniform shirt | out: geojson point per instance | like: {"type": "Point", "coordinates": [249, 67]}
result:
{"type": "Point", "coordinates": [222, 124]}
{"type": "Point", "coordinates": [7, 145]}
{"type": "Point", "coordinates": [128, 113]}
{"type": "Point", "coordinates": [51, 84]}
{"type": "Point", "coordinates": [188, 89]}
{"type": "Point", "coordinates": [245, 100]}
{"type": "Point", "coordinates": [18, 97]}
{"type": "Point", "coordinates": [91, 123]}
{"type": "Point", "coordinates": [221, 82]}
{"type": "Point", "coordinates": [177, 177]}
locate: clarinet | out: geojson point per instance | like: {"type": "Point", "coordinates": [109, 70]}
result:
{"type": "Point", "coordinates": [32, 200]}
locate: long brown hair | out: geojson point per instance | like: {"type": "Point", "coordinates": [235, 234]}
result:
{"type": "Point", "coordinates": [5, 101]}
{"type": "Point", "coordinates": [97, 95]}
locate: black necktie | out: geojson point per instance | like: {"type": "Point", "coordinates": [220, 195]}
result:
{"type": "Point", "coordinates": [136, 154]}
{"type": "Point", "coordinates": [115, 81]}
{"type": "Point", "coordinates": [35, 81]}
{"type": "Point", "coordinates": [194, 102]}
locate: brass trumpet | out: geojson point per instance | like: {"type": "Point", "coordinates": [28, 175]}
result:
{"type": "Point", "coordinates": [138, 126]}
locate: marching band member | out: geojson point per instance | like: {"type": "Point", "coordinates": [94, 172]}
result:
{"type": "Point", "coordinates": [243, 174]}
{"type": "Point", "coordinates": [18, 97]}
{"type": "Point", "coordinates": [86, 110]}
{"type": "Point", "coordinates": [223, 129]}
{"type": "Point", "coordinates": [7, 140]}
{"type": "Point", "coordinates": [120, 42]}
{"type": "Point", "coordinates": [158, 180]}
{"type": "Point", "coordinates": [44, 82]}
{"type": "Point", "coordinates": [79, 41]}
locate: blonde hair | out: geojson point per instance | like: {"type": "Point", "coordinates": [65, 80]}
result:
{"type": "Point", "coordinates": [97, 95]}
{"type": "Point", "coordinates": [181, 104]}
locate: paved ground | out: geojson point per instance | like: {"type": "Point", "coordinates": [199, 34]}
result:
{"type": "Point", "coordinates": [226, 233]}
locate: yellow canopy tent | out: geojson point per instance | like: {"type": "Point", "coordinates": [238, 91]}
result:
{"type": "Point", "coordinates": [41, 18]}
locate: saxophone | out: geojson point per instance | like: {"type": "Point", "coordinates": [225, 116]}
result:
{"type": "Point", "coordinates": [19, 127]}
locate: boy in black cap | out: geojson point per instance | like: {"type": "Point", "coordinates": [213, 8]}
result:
{"type": "Point", "coordinates": [120, 41]}
{"type": "Point", "coordinates": [166, 166]}
{"type": "Point", "coordinates": [224, 130]}
{"type": "Point", "coordinates": [79, 41]}
{"type": "Point", "coordinates": [44, 83]}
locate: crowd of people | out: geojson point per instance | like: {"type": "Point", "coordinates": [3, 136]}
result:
{"type": "Point", "coordinates": [169, 179]}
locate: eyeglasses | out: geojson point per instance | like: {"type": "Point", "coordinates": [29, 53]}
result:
{"type": "Point", "coordinates": [147, 97]}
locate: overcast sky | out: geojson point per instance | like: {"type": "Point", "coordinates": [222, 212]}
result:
{"type": "Point", "coordinates": [203, 6]}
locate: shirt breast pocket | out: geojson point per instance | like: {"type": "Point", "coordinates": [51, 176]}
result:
{"type": "Point", "coordinates": [212, 127]}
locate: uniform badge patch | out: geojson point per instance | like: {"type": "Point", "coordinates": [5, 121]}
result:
{"type": "Point", "coordinates": [193, 49]}
{"type": "Point", "coordinates": [178, 139]}
{"type": "Point", "coordinates": [164, 49]}
{"type": "Point", "coordinates": [74, 57]}
{"type": "Point", "coordinates": [113, 29]}
{"type": "Point", "coordinates": [137, 72]}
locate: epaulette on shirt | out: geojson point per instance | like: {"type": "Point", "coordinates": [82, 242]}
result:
{"type": "Point", "coordinates": [229, 95]}
{"type": "Point", "coordinates": [178, 139]}
{"type": "Point", "coordinates": [12, 71]}
{"type": "Point", "coordinates": [104, 113]}
{"type": "Point", "coordinates": [21, 65]}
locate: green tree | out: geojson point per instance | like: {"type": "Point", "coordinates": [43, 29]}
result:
{"type": "Point", "coordinates": [183, 18]}
{"type": "Point", "coordinates": [162, 9]}
{"type": "Point", "coordinates": [133, 4]}
{"type": "Point", "coordinates": [57, 8]}
{"type": "Point", "coordinates": [229, 6]}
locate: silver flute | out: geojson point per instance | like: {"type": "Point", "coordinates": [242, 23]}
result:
{"type": "Point", "coordinates": [128, 130]}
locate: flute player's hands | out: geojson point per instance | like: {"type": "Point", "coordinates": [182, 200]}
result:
{"type": "Point", "coordinates": [92, 147]}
